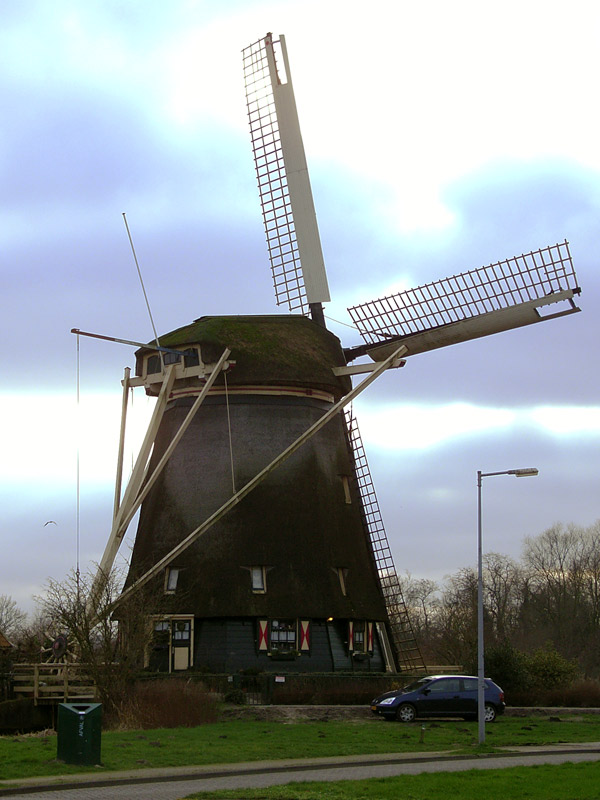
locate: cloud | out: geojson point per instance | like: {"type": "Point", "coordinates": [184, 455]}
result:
{"type": "Point", "coordinates": [405, 427]}
{"type": "Point", "coordinates": [422, 167]}
{"type": "Point", "coordinates": [500, 211]}
{"type": "Point", "coordinates": [538, 200]}
{"type": "Point", "coordinates": [577, 421]}
{"type": "Point", "coordinates": [428, 497]}
{"type": "Point", "coordinates": [419, 427]}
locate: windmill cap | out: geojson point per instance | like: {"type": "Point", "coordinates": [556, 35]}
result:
{"type": "Point", "coordinates": [271, 350]}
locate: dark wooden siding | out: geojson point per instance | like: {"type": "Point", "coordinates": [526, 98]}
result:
{"type": "Point", "coordinates": [230, 645]}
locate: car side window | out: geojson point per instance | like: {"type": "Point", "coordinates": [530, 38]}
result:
{"type": "Point", "coordinates": [470, 684]}
{"type": "Point", "coordinates": [445, 685]}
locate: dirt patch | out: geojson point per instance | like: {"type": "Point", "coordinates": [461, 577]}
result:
{"type": "Point", "coordinates": [298, 713]}
{"type": "Point", "coordinates": [361, 713]}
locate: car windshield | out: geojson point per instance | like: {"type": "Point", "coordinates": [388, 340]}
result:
{"type": "Point", "coordinates": [416, 685]}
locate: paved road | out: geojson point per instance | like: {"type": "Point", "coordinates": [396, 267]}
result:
{"type": "Point", "coordinates": [165, 784]}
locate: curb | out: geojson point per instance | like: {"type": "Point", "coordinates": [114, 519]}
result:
{"type": "Point", "coordinates": [165, 774]}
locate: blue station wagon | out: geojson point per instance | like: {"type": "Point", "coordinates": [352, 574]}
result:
{"type": "Point", "coordinates": [440, 696]}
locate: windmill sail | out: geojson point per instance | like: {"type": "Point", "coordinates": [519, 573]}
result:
{"type": "Point", "coordinates": [508, 294]}
{"type": "Point", "coordinates": [407, 649]}
{"type": "Point", "coordinates": [290, 221]}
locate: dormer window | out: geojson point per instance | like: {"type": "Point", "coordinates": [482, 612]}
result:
{"type": "Point", "coordinates": [258, 578]}
{"type": "Point", "coordinates": [171, 578]}
{"type": "Point", "coordinates": [191, 357]}
{"type": "Point", "coordinates": [171, 358]}
{"type": "Point", "coordinates": [154, 364]}
{"type": "Point", "coordinates": [346, 487]}
{"type": "Point", "coordinates": [342, 573]}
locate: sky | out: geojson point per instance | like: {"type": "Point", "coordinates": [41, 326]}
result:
{"type": "Point", "coordinates": [439, 137]}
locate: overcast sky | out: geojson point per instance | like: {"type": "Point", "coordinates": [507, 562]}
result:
{"type": "Point", "coordinates": [439, 136]}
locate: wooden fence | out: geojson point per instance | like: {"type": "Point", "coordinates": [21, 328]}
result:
{"type": "Point", "coordinates": [53, 683]}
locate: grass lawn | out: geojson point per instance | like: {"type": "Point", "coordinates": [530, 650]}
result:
{"type": "Point", "coordinates": [242, 740]}
{"type": "Point", "coordinates": [561, 782]}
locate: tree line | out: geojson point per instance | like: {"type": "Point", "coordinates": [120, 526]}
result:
{"type": "Point", "coordinates": [541, 613]}
{"type": "Point", "coordinates": [549, 599]}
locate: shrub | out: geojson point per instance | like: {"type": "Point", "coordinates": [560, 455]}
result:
{"type": "Point", "coordinates": [235, 696]}
{"type": "Point", "coordinates": [507, 667]}
{"type": "Point", "coordinates": [530, 679]}
{"type": "Point", "coordinates": [166, 704]}
{"type": "Point", "coordinates": [549, 670]}
{"type": "Point", "coordinates": [580, 694]}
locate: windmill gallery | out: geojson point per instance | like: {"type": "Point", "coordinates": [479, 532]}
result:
{"type": "Point", "coordinates": [259, 528]}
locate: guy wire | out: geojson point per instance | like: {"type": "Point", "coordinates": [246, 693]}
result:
{"type": "Point", "coordinates": [141, 279]}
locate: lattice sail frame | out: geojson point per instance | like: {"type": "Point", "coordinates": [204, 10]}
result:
{"type": "Point", "coordinates": [507, 294]}
{"type": "Point", "coordinates": [291, 229]}
{"type": "Point", "coordinates": [405, 643]}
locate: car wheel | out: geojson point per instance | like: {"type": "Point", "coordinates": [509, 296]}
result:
{"type": "Point", "coordinates": [406, 713]}
{"type": "Point", "coordinates": [489, 713]}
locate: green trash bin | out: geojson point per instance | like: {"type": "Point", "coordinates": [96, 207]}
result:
{"type": "Point", "coordinates": [79, 733]}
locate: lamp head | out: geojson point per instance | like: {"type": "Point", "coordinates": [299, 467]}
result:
{"type": "Point", "coordinates": [529, 472]}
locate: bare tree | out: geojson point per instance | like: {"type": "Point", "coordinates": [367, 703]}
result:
{"type": "Point", "coordinates": [112, 650]}
{"type": "Point", "coordinates": [550, 598]}
{"type": "Point", "coordinates": [558, 606]}
{"type": "Point", "coordinates": [421, 596]}
{"type": "Point", "coordinates": [456, 638]}
{"type": "Point", "coordinates": [502, 585]}
{"type": "Point", "coordinates": [12, 619]}
{"type": "Point", "coordinates": [591, 561]}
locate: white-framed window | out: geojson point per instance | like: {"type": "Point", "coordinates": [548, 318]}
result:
{"type": "Point", "coordinates": [358, 636]}
{"type": "Point", "coordinates": [171, 578]}
{"type": "Point", "coordinates": [182, 630]}
{"type": "Point", "coordinates": [282, 634]}
{"type": "Point", "coordinates": [258, 579]}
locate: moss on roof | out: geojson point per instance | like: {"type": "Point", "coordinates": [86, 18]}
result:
{"type": "Point", "coordinates": [272, 350]}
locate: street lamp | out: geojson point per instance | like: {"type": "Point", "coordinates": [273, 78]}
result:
{"type": "Point", "coordinates": [529, 472]}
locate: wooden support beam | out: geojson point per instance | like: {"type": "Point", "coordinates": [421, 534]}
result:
{"type": "Point", "coordinates": [149, 483]}
{"type": "Point", "coordinates": [119, 476]}
{"type": "Point", "coordinates": [254, 482]}
{"type": "Point", "coordinates": [133, 487]}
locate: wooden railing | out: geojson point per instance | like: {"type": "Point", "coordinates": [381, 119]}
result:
{"type": "Point", "coordinates": [445, 669]}
{"type": "Point", "coordinates": [53, 683]}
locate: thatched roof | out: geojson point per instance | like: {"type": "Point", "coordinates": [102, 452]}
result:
{"type": "Point", "coordinates": [271, 350]}
{"type": "Point", "coordinates": [4, 643]}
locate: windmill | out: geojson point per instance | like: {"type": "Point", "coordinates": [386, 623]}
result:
{"type": "Point", "coordinates": [259, 526]}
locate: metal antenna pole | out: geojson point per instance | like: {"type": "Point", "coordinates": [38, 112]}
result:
{"type": "Point", "coordinates": [77, 479]}
{"type": "Point", "coordinates": [480, 643]}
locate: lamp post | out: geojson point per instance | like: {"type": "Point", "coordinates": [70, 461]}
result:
{"type": "Point", "coordinates": [529, 472]}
